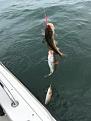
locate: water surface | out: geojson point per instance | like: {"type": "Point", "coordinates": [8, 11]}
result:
{"type": "Point", "coordinates": [24, 54]}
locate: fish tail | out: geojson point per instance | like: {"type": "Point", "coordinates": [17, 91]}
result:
{"type": "Point", "coordinates": [48, 75]}
{"type": "Point", "coordinates": [60, 53]}
{"type": "Point", "coordinates": [56, 50]}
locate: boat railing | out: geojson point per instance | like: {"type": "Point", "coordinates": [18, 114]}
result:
{"type": "Point", "coordinates": [14, 102]}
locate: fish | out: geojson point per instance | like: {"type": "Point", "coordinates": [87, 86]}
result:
{"type": "Point", "coordinates": [52, 62]}
{"type": "Point", "coordinates": [50, 38]}
{"type": "Point", "coordinates": [48, 95]}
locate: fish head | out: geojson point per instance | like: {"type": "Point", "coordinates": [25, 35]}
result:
{"type": "Point", "coordinates": [50, 26]}
{"type": "Point", "coordinates": [50, 52]}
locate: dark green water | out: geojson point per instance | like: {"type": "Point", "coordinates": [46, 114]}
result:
{"type": "Point", "coordinates": [23, 53]}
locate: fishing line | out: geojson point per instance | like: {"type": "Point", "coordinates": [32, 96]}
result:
{"type": "Point", "coordinates": [45, 17]}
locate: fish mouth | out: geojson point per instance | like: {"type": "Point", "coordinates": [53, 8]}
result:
{"type": "Point", "coordinates": [50, 26]}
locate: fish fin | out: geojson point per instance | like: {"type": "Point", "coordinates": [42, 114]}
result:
{"type": "Point", "coordinates": [48, 75]}
{"type": "Point", "coordinates": [65, 55]}
{"type": "Point", "coordinates": [61, 54]}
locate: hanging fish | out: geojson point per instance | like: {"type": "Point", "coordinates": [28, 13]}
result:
{"type": "Point", "coordinates": [52, 62]}
{"type": "Point", "coordinates": [48, 95]}
{"type": "Point", "coordinates": [50, 38]}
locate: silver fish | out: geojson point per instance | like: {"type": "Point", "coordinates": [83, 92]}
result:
{"type": "Point", "coordinates": [51, 60]}
{"type": "Point", "coordinates": [48, 95]}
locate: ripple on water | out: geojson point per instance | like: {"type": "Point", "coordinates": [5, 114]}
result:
{"type": "Point", "coordinates": [17, 63]}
